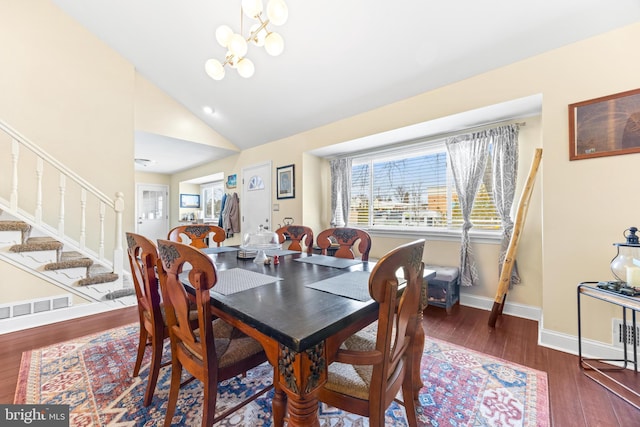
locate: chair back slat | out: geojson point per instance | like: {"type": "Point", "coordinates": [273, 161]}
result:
{"type": "Point", "coordinates": [197, 234]}
{"type": "Point", "coordinates": [345, 237]}
{"type": "Point", "coordinates": [296, 234]}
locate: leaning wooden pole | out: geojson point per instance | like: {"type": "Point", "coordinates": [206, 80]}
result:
{"type": "Point", "coordinates": [510, 256]}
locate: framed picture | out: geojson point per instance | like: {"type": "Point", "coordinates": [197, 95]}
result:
{"type": "Point", "coordinates": [605, 126]}
{"type": "Point", "coordinates": [285, 182]}
{"type": "Point", "coordinates": [232, 181]}
{"type": "Point", "coordinates": [190, 201]}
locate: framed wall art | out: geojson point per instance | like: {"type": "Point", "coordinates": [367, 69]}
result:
{"type": "Point", "coordinates": [605, 126]}
{"type": "Point", "coordinates": [189, 200]}
{"type": "Point", "coordinates": [285, 182]}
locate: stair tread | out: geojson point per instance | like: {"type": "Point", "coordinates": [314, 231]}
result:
{"type": "Point", "coordinates": [38, 244]}
{"type": "Point", "coordinates": [99, 278]}
{"type": "Point", "coordinates": [14, 226]}
{"type": "Point", "coordinates": [69, 263]}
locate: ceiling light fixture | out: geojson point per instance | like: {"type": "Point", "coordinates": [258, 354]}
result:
{"type": "Point", "coordinates": [236, 43]}
{"type": "Point", "coordinates": [144, 162]}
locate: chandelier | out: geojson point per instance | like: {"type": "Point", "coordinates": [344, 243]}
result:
{"type": "Point", "coordinates": [237, 45]}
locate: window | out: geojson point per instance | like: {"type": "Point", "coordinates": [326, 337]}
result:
{"type": "Point", "coordinates": [212, 193]}
{"type": "Point", "coordinates": [413, 187]}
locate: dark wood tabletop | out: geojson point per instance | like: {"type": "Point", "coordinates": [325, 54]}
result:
{"type": "Point", "coordinates": [296, 316]}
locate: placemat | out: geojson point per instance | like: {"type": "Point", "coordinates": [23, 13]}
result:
{"type": "Point", "coordinates": [329, 261]}
{"type": "Point", "coordinates": [238, 279]}
{"type": "Point", "coordinates": [354, 285]}
{"type": "Point", "coordinates": [219, 250]}
{"type": "Point", "coordinates": [279, 252]}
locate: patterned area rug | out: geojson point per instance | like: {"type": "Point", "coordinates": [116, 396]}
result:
{"type": "Point", "coordinates": [93, 375]}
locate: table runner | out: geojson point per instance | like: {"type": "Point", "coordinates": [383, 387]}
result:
{"type": "Point", "coordinates": [329, 261]}
{"type": "Point", "coordinates": [354, 285]}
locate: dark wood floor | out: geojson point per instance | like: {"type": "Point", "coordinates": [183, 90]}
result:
{"type": "Point", "coordinates": [574, 399]}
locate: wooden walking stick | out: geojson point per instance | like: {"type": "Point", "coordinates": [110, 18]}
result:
{"type": "Point", "coordinates": [509, 259]}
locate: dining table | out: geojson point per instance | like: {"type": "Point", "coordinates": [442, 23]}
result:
{"type": "Point", "coordinates": [297, 306]}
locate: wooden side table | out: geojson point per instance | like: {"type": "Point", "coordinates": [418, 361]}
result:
{"type": "Point", "coordinates": [596, 369]}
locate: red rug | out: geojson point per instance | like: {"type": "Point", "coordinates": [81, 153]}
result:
{"type": "Point", "coordinates": [92, 374]}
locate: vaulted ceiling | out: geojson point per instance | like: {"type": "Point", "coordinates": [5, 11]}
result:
{"type": "Point", "coordinates": [341, 57]}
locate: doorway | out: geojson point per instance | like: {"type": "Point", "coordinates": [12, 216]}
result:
{"type": "Point", "coordinates": [256, 197]}
{"type": "Point", "coordinates": [152, 214]}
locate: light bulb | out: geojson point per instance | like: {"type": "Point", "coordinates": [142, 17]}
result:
{"type": "Point", "coordinates": [214, 69]}
{"type": "Point", "coordinates": [237, 45]}
{"type": "Point", "coordinates": [258, 38]}
{"type": "Point", "coordinates": [252, 8]}
{"type": "Point", "coordinates": [277, 12]}
{"type": "Point", "coordinates": [223, 34]}
{"type": "Point", "coordinates": [274, 44]}
{"type": "Point", "coordinates": [246, 68]}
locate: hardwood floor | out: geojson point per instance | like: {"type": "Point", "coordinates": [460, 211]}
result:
{"type": "Point", "coordinates": [575, 400]}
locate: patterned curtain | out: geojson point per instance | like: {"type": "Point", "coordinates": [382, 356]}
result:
{"type": "Point", "coordinates": [340, 191]}
{"type": "Point", "coordinates": [468, 156]}
{"type": "Point", "coordinates": [505, 172]}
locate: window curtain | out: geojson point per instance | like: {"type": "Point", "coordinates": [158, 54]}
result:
{"type": "Point", "coordinates": [505, 171]}
{"type": "Point", "coordinates": [468, 156]}
{"type": "Point", "coordinates": [340, 191]}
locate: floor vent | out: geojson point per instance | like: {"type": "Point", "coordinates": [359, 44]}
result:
{"type": "Point", "coordinates": [625, 333]}
{"type": "Point", "coordinates": [23, 308]}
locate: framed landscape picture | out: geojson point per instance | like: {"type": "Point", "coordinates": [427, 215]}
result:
{"type": "Point", "coordinates": [605, 126]}
{"type": "Point", "coordinates": [285, 182]}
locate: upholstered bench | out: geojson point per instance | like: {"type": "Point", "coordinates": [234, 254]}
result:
{"type": "Point", "coordinates": [444, 289]}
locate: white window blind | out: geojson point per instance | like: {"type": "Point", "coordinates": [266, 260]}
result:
{"type": "Point", "coordinates": [412, 187]}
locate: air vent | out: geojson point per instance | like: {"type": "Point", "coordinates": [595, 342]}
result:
{"type": "Point", "coordinates": [625, 333]}
{"type": "Point", "coordinates": [40, 305]}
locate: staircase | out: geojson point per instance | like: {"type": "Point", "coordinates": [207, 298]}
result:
{"type": "Point", "coordinates": [72, 252]}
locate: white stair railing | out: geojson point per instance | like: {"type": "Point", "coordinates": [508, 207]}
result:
{"type": "Point", "coordinates": [78, 215]}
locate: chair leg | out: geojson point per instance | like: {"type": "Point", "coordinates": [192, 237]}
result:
{"type": "Point", "coordinates": [154, 369]}
{"type": "Point", "coordinates": [209, 406]}
{"type": "Point", "coordinates": [176, 373]}
{"type": "Point", "coordinates": [409, 402]}
{"type": "Point", "coordinates": [142, 344]}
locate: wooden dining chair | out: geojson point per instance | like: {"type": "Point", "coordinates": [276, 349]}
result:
{"type": "Point", "coordinates": [366, 375]}
{"type": "Point", "coordinates": [198, 233]}
{"type": "Point", "coordinates": [213, 350]}
{"type": "Point", "coordinates": [345, 237]}
{"type": "Point", "coordinates": [296, 234]}
{"type": "Point", "coordinates": [143, 257]}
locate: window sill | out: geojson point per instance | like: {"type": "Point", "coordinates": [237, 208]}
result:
{"type": "Point", "coordinates": [477, 236]}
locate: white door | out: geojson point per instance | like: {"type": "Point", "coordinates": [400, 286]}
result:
{"type": "Point", "coordinates": [255, 205]}
{"type": "Point", "coordinates": [152, 211]}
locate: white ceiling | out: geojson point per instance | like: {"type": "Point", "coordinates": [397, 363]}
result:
{"type": "Point", "coordinates": [341, 57]}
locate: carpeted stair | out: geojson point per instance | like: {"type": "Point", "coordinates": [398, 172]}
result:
{"type": "Point", "coordinates": [94, 273]}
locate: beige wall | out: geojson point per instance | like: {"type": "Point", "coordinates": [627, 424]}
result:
{"type": "Point", "coordinates": [26, 287]}
{"type": "Point", "coordinates": [157, 113]}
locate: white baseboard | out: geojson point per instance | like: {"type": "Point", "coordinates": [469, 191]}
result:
{"type": "Point", "coordinates": [513, 309]}
{"type": "Point", "coordinates": [45, 318]}
{"type": "Point", "coordinates": [548, 338]}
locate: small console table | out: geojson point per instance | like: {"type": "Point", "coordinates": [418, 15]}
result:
{"type": "Point", "coordinates": [596, 369]}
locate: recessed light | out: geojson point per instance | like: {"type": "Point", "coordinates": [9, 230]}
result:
{"type": "Point", "coordinates": [208, 110]}
{"type": "Point", "coordinates": [144, 162]}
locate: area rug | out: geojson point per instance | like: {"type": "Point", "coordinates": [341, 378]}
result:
{"type": "Point", "coordinates": [92, 374]}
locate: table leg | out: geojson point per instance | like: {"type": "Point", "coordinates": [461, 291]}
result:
{"type": "Point", "coordinates": [300, 376]}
